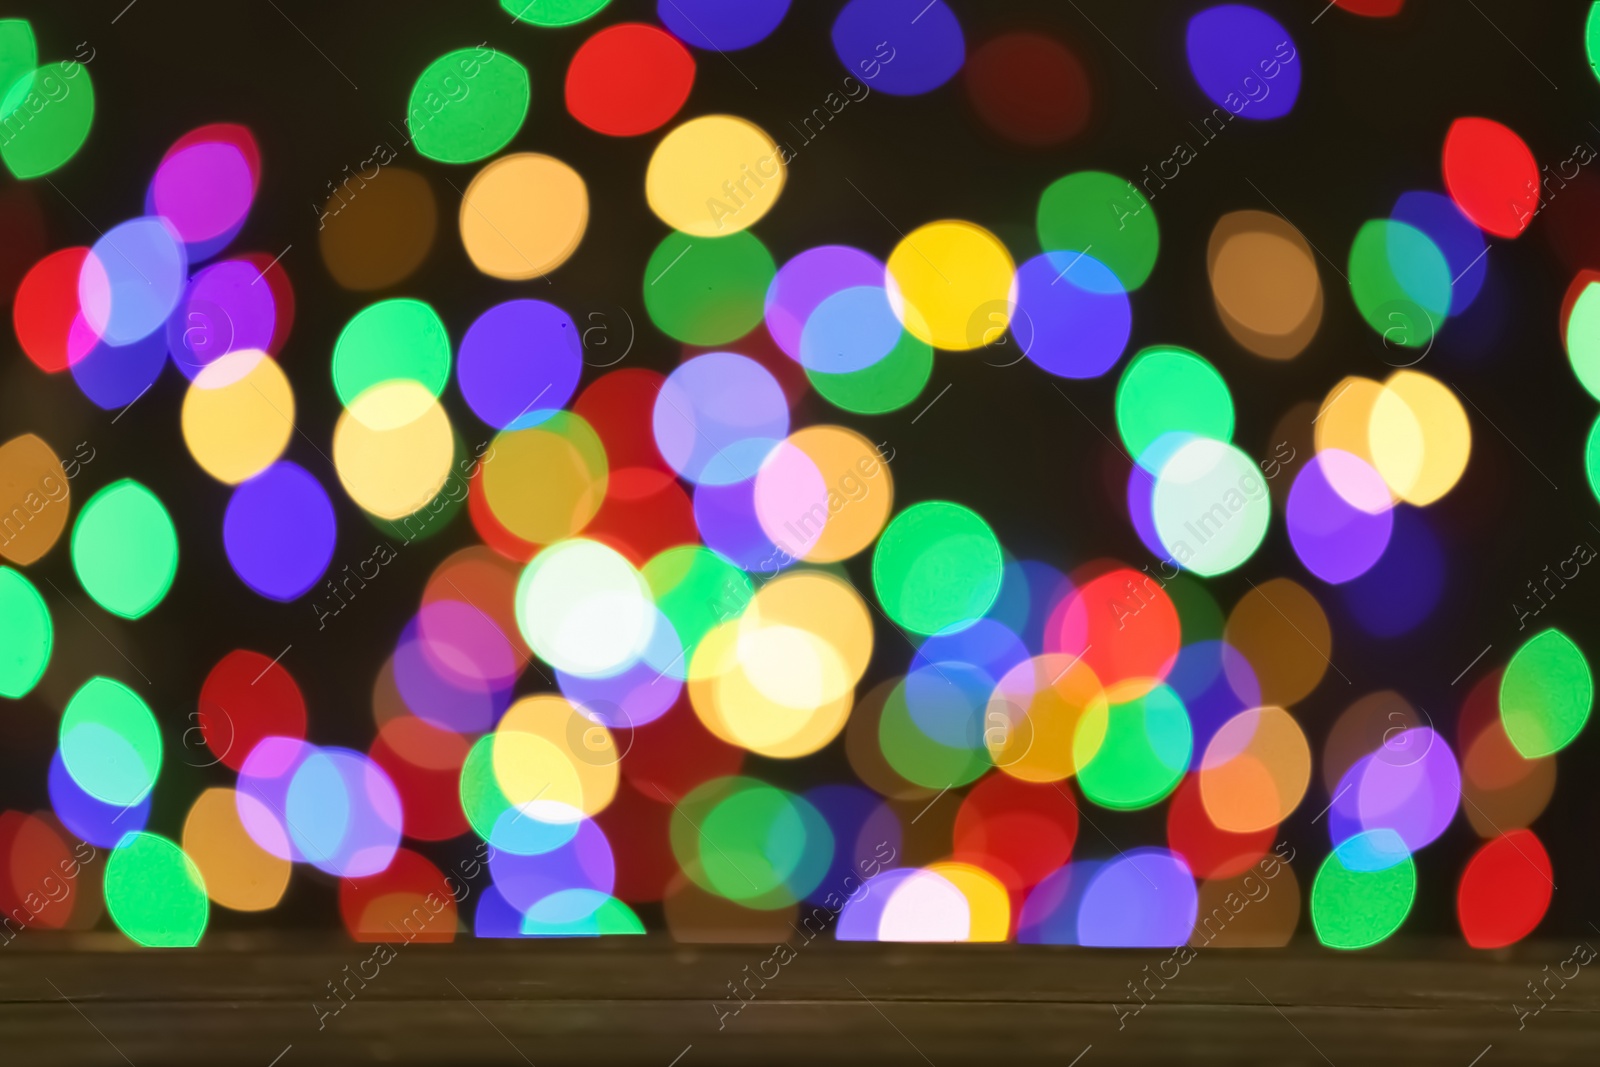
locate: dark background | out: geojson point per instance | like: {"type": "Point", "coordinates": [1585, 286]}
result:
{"type": "Point", "coordinates": [1376, 99]}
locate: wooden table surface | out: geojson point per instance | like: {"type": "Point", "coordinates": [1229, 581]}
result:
{"type": "Point", "coordinates": [95, 999]}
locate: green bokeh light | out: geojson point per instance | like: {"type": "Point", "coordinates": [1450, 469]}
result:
{"type": "Point", "coordinates": [708, 290]}
{"type": "Point", "coordinates": [110, 743]}
{"type": "Point", "coordinates": [887, 385]}
{"type": "Point", "coordinates": [1199, 615]}
{"type": "Point", "coordinates": [47, 113]}
{"type": "Point", "coordinates": [1092, 211]}
{"type": "Point", "coordinates": [125, 549]}
{"type": "Point", "coordinates": [1583, 338]}
{"type": "Point", "coordinates": [1400, 281]}
{"type": "Point", "coordinates": [482, 800]}
{"type": "Point", "coordinates": [1546, 694]}
{"type": "Point", "coordinates": [937, 565]}
{"type": "Point", "coordinates": [388, 340]}
{"type": "Point", "coordinates": [19, 53]}
{"type": "Point", "coordinates": [553, 12]}
{"type": "Point", "coordinates": [46, 117]}
{"type": "Point", "coordinates": [1363, 891]}
{"type": "Point", "coordinates": [26, 635]}
{"type": "Point", "coordinates": [920, 759]}
{"type": "Point", "coordinates": [1591, 38]}
{"type": "Point", "coordinates": [696, 589]}
{"type": "Point", "coordinates": [155, 893]}
{"type": "Point", "coordinates": [1167, 389]}
{"type": "Point", "coordinates": [1142, 754]}
{"type": "Point", "coordinates": [468, 104]}
{"type": "Point", "coordinates": [751, 842]}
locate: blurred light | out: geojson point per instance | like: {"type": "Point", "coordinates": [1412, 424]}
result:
{"type": "Point", "coordinates": [937, 567]}
{"type": "Point", "coordinates": [392, 448]}
{"type": "Point", "coordinates": [155, 893]}
{"type": "Point", "coordinates": [519, 361]}
{"type": "Point", "coordinates": [738, 23]}
{"type": "Point", "coordinates": [1235, 51]}
{"type": "Point", "coordinates": [1505, 890]}
{"type": "Point", "coordinates": [49, 111]}
{"type": "Point", "coordinates": [1264, 283]}
{"type": "Point", "coordinates": [1546, 694]}
{"type": "Point", "coordinates": [1073, 317]}
{"type": "Point", "coordinates": [715, 175]}
{"type": "Point", "coordinates": [1491, 175]}
{"type": "Point", "coordinates": [1091, 210]}
{"type": "Point", "coordinates": [1166, 395]}
{"type": "Point", "coordinates": [900, 47]}
{"type": "Point", "coordinates": [718, 417]}
{"type": "Point", "coordinates": [26, 635]}
{"type": "Point", "coordinates": [125, 549]}
{"type": "Point", "coordinates": [523, 215]}
{"type": "Point", "coordinates": [951, 283]}
{"type": "Point", "coordinates": [245, 698]}
{"type": "Point", "coordinates": [1285, 662]}
{"type": "Point", "coordinates": [238, 415]}
{"type": "Point", "coordinates": [467, 106]}
{"type": "Point", "coordinates": [1030, 89]}
{"type": "Point", "coordinates": [631, 78]}
{"type": "Point", "coordinates": [279, 531]}
{"type": "Point", "coordinates": [713, 296]}
{"type": "Point", "coordinates": [1363, 890]}
{"type": "Point", "coordinates": [234, 870]}
{"type": "Point", "coordinates": [35, 498]}
{"type": "Point", "coordinates": [389, 341]}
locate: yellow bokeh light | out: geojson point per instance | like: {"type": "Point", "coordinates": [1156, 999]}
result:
{"type": "Point", "coordinates": [951, 284]}
{"type": "Point", "coordinates": [1344, 422]}
{"type": "Point", "coordinates": [523, 215]}
{"type": "Point", "coordinates": [738, 708]}
{"type": "Point", "coordinates": [546, 482]}
{"type": "Point", "coordinates": [238, 873]}
{"type": "Point", "coordinates": [987, 899]}
{"type": "Point", "coordinates": [549, 758]}
{"type": "Point", "coordinates": [820, 604]}
{"type": "Point", "coordinates": [1420, 437]}
{"type": "Point", "coordinates": [1046, 719]}
{"type": "Point", "coordinates": [238, 415]}
{"type": "Point", "coordinates": [393, 447]}
{"type": "Point", "coordinates": [714, 175]}
{"type": "Point", "coordinates": [860, 490]}
{"type": "Point", "coordinates": [1255, 771]}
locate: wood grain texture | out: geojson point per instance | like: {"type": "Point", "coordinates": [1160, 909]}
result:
{"type": "Point", "coordinates": [95, 1000]}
